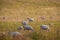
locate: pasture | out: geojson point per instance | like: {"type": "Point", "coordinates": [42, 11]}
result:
{"type": "Point", "coordinates": [37, 35]}
{"type": "Point", "coordinates": [13, 12]}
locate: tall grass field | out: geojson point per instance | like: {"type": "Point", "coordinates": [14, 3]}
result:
{"type": "Point", "coordinates": [13, 12]}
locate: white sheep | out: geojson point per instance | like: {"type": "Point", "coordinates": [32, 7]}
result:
{"type": "Point", "coordinates": [31, 19]}
{"type": "Point", "coordinates": [24, 22]}
{"type": "Point", "coordinates": [42, 17]}
{"type": "Point", "coordinates": [13, 33]}
{"type": "Point", "coordinates": [27, 27]}
{"type": "Point", "coordinates": [20, 28]}
{"type": "Point", "coordinates": [44, 27]}
{"type": "Point", "coordinates": [51, 17]}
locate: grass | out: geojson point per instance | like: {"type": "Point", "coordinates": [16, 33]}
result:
{"type": "Point", "coordinates": [13, 25]}
{"type": "Point", "coordinates": [16, 10]}
{"type": "Point", "coordinates": [37, 35]}
{"type": "Point", "coordinates": [9, 25]}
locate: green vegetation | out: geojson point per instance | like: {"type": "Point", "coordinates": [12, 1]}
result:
{"type": "Point", "coordinates": [5, 26]}
{"type": "Point", "coordinates": [4, 37]}
{"type": "Point", "coordinates": [15, 11]}
{"type": "Point", "coordinates": [37, 35]}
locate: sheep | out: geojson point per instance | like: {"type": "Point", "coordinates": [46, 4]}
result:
{"type": "Point", "coordinates": [4, 18]}
{"type": "Point", "coordinates": [27, 27]}
{"type": "Point", "coordinates": [19, 28]}
{"type": "Point", "coordinates": [42, 17]}
{"type": "Point", "coordinates": [13, 33]}
{"type": "Point", "coordinates": [44, 27]}
{"type": "Point", "coordinates": [2, 33]}
{"type": "Point", "coordinates": [31, 19]}
{"type": "Point", "coordinates": [24, 22]}
{"type": "Point", "coordinates": [51, 17]}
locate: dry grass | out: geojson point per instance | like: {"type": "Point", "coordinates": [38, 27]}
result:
{"type": "Point", "coordinates": [15, 11]}
{"type": "Point", "coordinates": [18, 11]}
